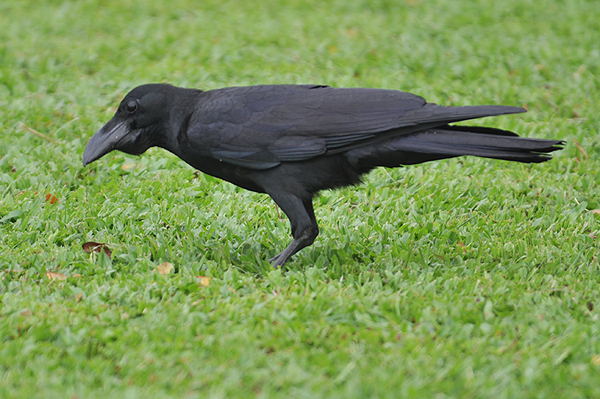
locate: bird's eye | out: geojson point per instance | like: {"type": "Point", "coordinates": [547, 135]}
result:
{"type": "Point", "coordinates": [131, 106]}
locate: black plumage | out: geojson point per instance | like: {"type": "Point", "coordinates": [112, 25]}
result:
{"type": "Point", "coordinates": [291, 141]}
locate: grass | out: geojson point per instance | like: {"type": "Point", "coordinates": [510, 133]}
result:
{"type": "Point", "coordinates": [460, 278]}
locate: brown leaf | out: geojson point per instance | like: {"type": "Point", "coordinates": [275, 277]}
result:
{"type": "Point", "coordinates": [56, 276]}
{"type": "Point", "coordinates": [205, 281]}
{"type": "Point", "coordinates": [352, 32]}
{"type": "Point", "coordinates": [596, 360]}
{"type": "Point", "coordinates": [52, 198]}
{"type": "Point", "coordinates": [595, 211]}
{"type": "Point", "coordinates": [96, 247]}
{"type": "Point", "coordinates": [165, 268]}
{"type": "Point", "coordinates": [41, 135]}
{"type": "Point", "coordinates": [577, 74]}
{"type": "Point", "coordinates": [580, 148]}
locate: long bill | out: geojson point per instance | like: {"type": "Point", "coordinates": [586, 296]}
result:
{"type": "Point", "coordinates": [104, 141]}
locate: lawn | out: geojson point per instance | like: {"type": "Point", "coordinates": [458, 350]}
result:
{"type": "Point", "coordinates": [463, 278]}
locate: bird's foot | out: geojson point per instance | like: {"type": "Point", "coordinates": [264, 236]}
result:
{"type": "Point", "coordinates": [277, 261]}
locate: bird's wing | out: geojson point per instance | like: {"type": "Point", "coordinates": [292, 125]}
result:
{"type": "Point", "coordinates": [261, 126]}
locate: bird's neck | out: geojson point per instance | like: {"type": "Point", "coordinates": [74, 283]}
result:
{"type": "Point", "coordinates": [180, 115]}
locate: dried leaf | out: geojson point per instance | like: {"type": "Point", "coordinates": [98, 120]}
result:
{"type": "Point", "coordinates": [577, 74]}
{"type": "Point", "coordinates": [52, 198]}
{"type": "Point", "coordinates": [56, 276]}
{"type": "Point", "coordinates": [352, 32]}
{"type": "Point", "coordinates": [40, 135]}
{"type": "Point", "coordinates": [165, 268]}
{"type": "Point", "coordinates": [96, 247]}
{"type": "Point", "coordinates": [128, 166]}
{"type": "Point", "coordinates": [595, 211]}
{"type": "Point", "coordinates": [596, 360]}
{"type": "Point", "coordinates": [205, 281]}
{"type": "Point", "coordinates": [580, 148]}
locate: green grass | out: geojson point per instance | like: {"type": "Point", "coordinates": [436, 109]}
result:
{"type": "Point", "coordinates": [461, 278]}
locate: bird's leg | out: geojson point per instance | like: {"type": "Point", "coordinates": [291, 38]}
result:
{"type": "Point", "coordinates": [303, 223]}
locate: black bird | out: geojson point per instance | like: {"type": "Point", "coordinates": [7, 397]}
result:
{"type": "Point", "coordinates": [292, 141]}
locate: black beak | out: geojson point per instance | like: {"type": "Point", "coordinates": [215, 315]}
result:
{"type": "Point", "coordinates": [104, 141]}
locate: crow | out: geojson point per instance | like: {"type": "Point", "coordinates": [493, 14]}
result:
{"type": "Point", "coordinates": [292, 141]}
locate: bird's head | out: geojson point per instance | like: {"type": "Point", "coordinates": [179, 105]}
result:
{"type": "Point", "coordinates": [139, 123]}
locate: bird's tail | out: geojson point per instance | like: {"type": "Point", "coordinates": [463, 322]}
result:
{"type": "Point", "coordinates": [453, 141]}
{"type": "Point", "coordinates": [480, 142]}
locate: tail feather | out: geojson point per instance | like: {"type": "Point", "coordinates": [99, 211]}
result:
{"type": "Point", "coordinates": [449, 141]}
{"type": "Point", "coordinates": [453, 141]}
